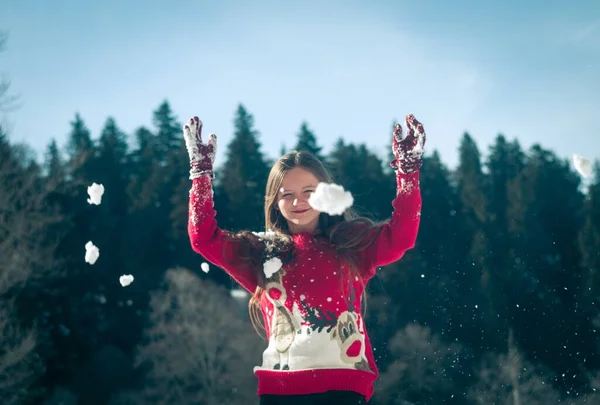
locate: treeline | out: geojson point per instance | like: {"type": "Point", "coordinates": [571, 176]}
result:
{"type": "Point", "coordinates": [497, 304]}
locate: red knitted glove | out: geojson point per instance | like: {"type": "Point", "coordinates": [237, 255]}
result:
{"type": "Point", "coordinates": [202, 156]}
{"type": "Point", "coordinates": [408, 151]}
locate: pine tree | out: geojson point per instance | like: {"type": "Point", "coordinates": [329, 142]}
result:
{"type": "Point", "coordinates": [545, 216]}
{"type": "Point", "coordinates": [378, 188]}
{"type": "Point", "coordinates": [80, 149]}
{"type": "Point", "coordinates": [112, 144]}
{"type": "Point", "coordinates": [177, 194]}
{"type": "Point", "coordinates": [430, 268]}
{"type": "Point", "coordinates": [168, 130]}
{"type": "Point", "coordinates": [438, 246]}
{"type": "Point", "coordinates": [156, 162]}
{"type": "Point", "coordinates": [471, 183]}
{"type": "Point", "coordinates": [143, 162]}
{"type": "Point", "coordinates": [159, 164]}
{"type": "Point", "coordinates": [548, 246]}
{"type": "Point", "coordinates": [505, 161]}
{"type": "Point", "coordinates": [142, 225]}
{"type": "Point", "coordinates": [361, 172]}
{"type": "Point", "coordinates": [110, 215]}
{"type": "Point", "coordinates": [171, 147]}
{"type": "Point", "coordinates": [62, 298]}
{"type": "Point", "coordinates": [306, 140]}
{"type": "Point", "coordinates": [54, 166]}
{"type": "Point", "coordinates": [81, 169]}
{"type": "Point", "coordinates": [472, 243]}
{"type": "Point", "coordinates": [242, 178]}
{"type": "Point", "coordinates": [589, 245]}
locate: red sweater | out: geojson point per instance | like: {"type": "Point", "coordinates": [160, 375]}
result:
{"type": "Point", "coordinates": [317, 339]}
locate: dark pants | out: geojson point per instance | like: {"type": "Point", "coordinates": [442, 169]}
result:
{"type": "Point", "coordinates": [323, 398]}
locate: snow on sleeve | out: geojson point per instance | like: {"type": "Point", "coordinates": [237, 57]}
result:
{"type": "Point", "coordinates": [419, 147]}
{"type": "Point", "coordinates": [272, 266]}
{"type": "Point", "coordinates": [331, 198]}
{"type": "Point", "coordinates": [95, 192]}
{"type": "Point", "coordinates": [91, 253]}
{"type": "Point", "coordinates": [125, 280]}
{"type": "Point", "coordinates": [273, 263]}
{"type": "Point", "coordinates": [269, 235]}
{"type": "Point", "coordinates": [582, 165]}
{"type": "Point", "coordinates": [204, 266]}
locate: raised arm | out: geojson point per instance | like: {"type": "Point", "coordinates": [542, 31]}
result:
{"type": "Point", "coordinates": [392, 240]}
{"type": "Point", "coordinates": [214, 244]}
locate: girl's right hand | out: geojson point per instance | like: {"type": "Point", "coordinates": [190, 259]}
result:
{"type": "Point", "coordinates": [202, 156]}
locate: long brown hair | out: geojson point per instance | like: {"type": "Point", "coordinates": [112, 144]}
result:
{"type": "Point", "coordinates": [346, 233]}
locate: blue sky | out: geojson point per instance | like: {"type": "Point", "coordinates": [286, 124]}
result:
{"type": "Point", "coordinates": [529, 70]}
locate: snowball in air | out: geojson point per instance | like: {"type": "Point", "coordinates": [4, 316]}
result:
{"type": "Point", "coordinates": [91, 253]}
{"type": "Point", "coordinates": [238, 293]}
{"type": "Point", "coordinates": [126, 279]}
{"type": "Point", "coordinates": [582, 165]}
{"type": "Point", "coordinates": [331, 198]}
{"type": "Point", "coordinates": [95, 192]}
{"type": "Point", "coordinates": [204, 267]}
{"type": "Point", "coordinates": [271, 266]}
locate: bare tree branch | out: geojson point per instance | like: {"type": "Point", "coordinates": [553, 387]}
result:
{"type": "Point", "coordinates": [19, 364]}
{"type": "Point", "coordinates": [200, 350]}
{"type": "Point", "coordinates": [423, 368]}
{"type": "Point", "coordinates": [508, 379]}
{"type": "Point", "coordinates": [7, 102]}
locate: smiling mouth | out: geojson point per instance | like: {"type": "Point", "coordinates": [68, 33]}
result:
{"type": "Point", "coordinates": [301, 211]}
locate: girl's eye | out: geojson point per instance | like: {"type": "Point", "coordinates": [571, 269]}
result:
{"type": "Point", "coordinates": [308, 191]}
{"type": "Point", "coordinates": [286, 195]}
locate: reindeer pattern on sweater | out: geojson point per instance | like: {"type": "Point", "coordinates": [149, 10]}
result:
{"type": "Point", "coordinates": [312, 313]}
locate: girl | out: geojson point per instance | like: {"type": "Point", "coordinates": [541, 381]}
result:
{"type": "Point", "coordinates": [308, 272]}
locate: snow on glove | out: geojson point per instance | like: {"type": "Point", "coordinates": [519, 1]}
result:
{"type": "Point", "coordinates": [408, 151]}
{"type": "Point", "coordinates": [202, 155]}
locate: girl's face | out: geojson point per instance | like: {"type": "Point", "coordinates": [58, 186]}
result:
{"type": "Point", "coordinates": [292, 200]}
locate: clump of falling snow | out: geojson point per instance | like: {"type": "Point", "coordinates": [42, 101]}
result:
{"type": "Point", "coordinates": [582, 165]}
{"type": "Point", "coordinates": [204, 266]}
{"type": "Point", "coordinates": [95, 192]}
{"type": "Point", "coordinates": [126, 279]}
{"type": "Point", "coordinates": [331, 198]}
{"type": "Point", "coordinates": [91, 253]}
{"type": "Point", "coordinates": [272, 266]}
{"type": "Point", "coordinates": [238, 293]}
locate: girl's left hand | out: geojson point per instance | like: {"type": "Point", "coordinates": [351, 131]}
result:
{"type": "Point", "coordinates": [408, 151]}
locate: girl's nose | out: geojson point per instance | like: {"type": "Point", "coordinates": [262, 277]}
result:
{"type": "Point", "coordinates": [295, 202]}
